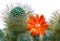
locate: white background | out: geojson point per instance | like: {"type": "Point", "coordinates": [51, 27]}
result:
{"type": "Point", "coordinates": [46, 7]}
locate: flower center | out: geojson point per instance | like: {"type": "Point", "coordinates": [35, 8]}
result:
{"type": "Point", "coordinates": [37, 25]}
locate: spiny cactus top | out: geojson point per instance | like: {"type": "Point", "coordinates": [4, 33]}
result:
{"type": "Point", "coordinates": [17, 11]}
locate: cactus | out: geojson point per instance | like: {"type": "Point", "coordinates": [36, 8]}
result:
{"type": "Point", "coordinates": [55, 26]}
{"type": "Point", "coordinates": [15, 20]}
{"type": "Point", "coordinates": [48, 37]}
{"type": "Point", "coordinates": [1, 33]}
{"type": "Point", "coordinates": [17, 11]}
{"type": "Point", "coordinates": [24, 37]}
{"type": "Point", "coordinates": [36, 38]}
{"type": "Point", "coordinates": [15, 23]}
{"type": "Point", "coordinates": [3, 39]}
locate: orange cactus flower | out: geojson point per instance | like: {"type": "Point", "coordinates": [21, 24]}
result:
{"type": "Point", "coordinates": [38, 25]}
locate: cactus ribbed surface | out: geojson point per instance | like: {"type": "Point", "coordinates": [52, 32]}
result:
{"type": "Point", "coordinates": [55, 26]}
{"type": "Point", "coordinates": [24, 37]}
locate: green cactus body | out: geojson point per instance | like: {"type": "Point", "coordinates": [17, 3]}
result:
{"type": "Point", "coordinates": [17, 11]}
{"type": "Point", "coordinates": [16, 22]}
{"type": "Point", "coordinates": [1, 33]}
{"type": "Point", "coordinates": [55, 26]}
{"type": "Point", "coordinates": [3, 39]}
{"type": "Point", "coordinates": [48, 37]}
{"type": "Point", "coordinates": [24, 37]}
{"type": "Point", "coordinates": [36, 38]}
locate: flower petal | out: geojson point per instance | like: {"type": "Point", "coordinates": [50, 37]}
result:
{"type": "Point", "coordinates": [29, 28]}
{"type": "Point", "coordinates": [32, 18]}
{"type": "Point", "coordinates": [37, 18]}
{"type": "Point", "coordinates": [43, 22]}
{"type": "Point", "coordinates": [42, 32]}
{"type": "Point", "coordinates": [32, 26]}
{"type": "Point", "coordinates": [30, 22]}
{"type": "Point", "coordinates": [41, 18]}
{"type": "Point", "coordinates": [34, 32]}
{"type": "Point", "coordinates": [44, 26]}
